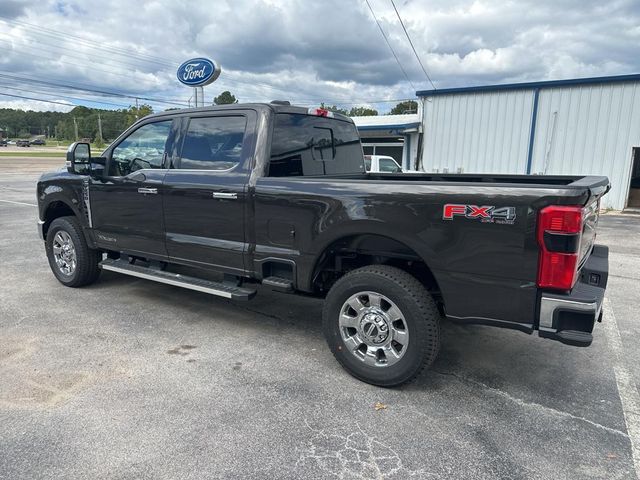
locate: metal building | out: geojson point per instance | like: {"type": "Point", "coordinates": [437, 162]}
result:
{"type": "Point", "coordinates": [573, 127]}
{"type": "Point", "coordinates": [397, 136]}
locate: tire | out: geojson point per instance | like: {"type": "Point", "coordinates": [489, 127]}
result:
{"type": "Point", "coordinates": [362, 340]}
{"type": "Point", "coordinates": [62, 232]}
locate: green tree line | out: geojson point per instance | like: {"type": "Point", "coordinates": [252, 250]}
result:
{"type": "Point", "coordinates": [62, 126]}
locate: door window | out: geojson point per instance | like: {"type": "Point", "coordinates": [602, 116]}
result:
{"type": "Point", "coordinates": [144, 148]}
{"type": "Point", "coordinates": [213, 143]}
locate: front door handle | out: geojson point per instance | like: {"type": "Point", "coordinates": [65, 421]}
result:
{"type": "Point", "coordinates": [225, 195]}
{"type": "Point", "coordinates": [148, 190]}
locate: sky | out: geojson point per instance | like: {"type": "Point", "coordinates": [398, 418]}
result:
{"type": "Point", "coordinates": [306, 52]}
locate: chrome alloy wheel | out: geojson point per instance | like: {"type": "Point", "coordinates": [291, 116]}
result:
{"type": "Point", "coordinates": [64, 253]}
{"type": "Point", "coordinates": [373, 329]}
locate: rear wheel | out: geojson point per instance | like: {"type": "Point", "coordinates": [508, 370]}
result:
{"type": "Point", "coordinates": [71, 260]}
{"type": "Point", "coordinates": [381, 325]}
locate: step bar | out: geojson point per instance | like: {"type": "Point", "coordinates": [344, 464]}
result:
{"type": "Point", "coordinates": [192, 283]}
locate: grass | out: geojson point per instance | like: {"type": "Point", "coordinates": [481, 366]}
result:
{"type": "Point", "coordinates": [53, 153]}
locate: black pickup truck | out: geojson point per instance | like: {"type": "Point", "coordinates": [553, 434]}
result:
{"type": "Point", "coordinates": [219, 199]}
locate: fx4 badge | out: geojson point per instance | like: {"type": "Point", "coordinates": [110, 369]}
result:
{"type": "Point", "coordinates": [485, 213]}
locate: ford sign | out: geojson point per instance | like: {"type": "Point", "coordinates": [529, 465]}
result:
{"type": "Point", "coordinates": [198, 72]}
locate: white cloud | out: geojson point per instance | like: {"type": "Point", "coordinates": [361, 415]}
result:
{"type": "Point", "coordinates": [327, 51]}
{"type": "Point", "coordinates": [36, 105]}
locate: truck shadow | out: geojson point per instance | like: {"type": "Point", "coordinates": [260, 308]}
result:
{"type": "Point", "coordinates": [487, 356]}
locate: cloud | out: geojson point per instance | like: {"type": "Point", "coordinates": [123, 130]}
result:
{"type": "Point", "coordinates": [309, 52]}
{"type": "Point", "coordinates": [35, 105]}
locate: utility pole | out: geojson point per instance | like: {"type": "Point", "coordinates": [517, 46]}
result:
{"type": "Point", "coordinates": [100, 128]}
{"type": "Point", "coordinates": [137, 109]}
{"type": "Point", "coordinates": [75, 128]}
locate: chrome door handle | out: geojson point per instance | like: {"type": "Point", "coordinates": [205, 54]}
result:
{"type": "Point", "coordinates": [225, 195]}
{"type": "Point", "coordinates": [148, 190]}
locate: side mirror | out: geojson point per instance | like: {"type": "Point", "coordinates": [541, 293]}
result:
{"type": "Point", "coordinates": [97, 167]}
{"type": "Point", "coordinates": [78, 158]}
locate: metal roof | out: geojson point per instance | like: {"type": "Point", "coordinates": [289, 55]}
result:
{"type": "Point", "coordinates": [635, 77]}
{"type": "Point", "coordinates": [387, 122]}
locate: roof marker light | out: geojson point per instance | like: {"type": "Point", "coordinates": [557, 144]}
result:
{"type": "Point", "coordinates": [320, 112]}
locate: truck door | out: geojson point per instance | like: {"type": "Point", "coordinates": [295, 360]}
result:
{"type": "Point", "coordinates": [205, 197]}
{"type": "Point", "coordinates": [126, 204]}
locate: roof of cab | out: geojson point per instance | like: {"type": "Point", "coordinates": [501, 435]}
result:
{"type": "Point", "coordinates": [277, 108]}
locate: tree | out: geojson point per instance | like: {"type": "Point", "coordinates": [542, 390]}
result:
{"type": "Point", "coordinates": [363, 112]}
{"type": "Point", "coordinates": [225, 98]}
{"type": "Point", "coordinates": [136, 113]}
{"type": "Point", "coordinates": [333, 108]}
{"type": "Point", "coordinates": [409, 106]}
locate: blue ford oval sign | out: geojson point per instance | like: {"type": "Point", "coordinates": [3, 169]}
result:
{"type": "Point", "coordinates": [198, 72]}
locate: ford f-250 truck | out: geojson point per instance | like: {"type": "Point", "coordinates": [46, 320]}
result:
{"type": "Point", "coordinates": [219, 199]}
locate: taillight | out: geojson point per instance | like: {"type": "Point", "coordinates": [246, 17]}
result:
{"type": "Point", "coordinates": [559, 235]}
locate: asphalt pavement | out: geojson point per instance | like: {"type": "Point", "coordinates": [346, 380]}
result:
{"type": "Point", "coordinates": [132, 379]}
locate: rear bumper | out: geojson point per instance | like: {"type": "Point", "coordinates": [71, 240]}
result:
{"type": "Point", "coordinates": [569, 318]}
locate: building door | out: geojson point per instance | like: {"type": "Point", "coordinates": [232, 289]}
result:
{"type": "Point", "coordinates": [634, 188]}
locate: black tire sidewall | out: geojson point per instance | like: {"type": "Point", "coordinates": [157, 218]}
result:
{"type": "Point", "coordinates": [414, 313]}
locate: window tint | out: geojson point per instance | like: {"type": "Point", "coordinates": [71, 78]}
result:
{"type": "Point", "coordinates": [213, 143]}
{"type": "Point", "coordinates": [388, 165]}
{"type": "Point", "coordinates": [144, 148]}
{"type": "Point", "coordinates": [367, 162]}
{"type": "Point", "coordinates": [309, 145]}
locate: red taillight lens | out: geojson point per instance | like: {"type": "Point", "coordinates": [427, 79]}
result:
{"type": "Point", "coordinates": [320, 112]}
{"type": "Point", "coordinates": [559, 232]}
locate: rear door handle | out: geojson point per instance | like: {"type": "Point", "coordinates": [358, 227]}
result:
{"type": "Point", "coordinates": [225, 195]}
{"type": "Point", "coordinates": [148, 190]}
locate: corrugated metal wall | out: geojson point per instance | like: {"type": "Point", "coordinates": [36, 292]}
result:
{"type": "Point", "coordinates": [478, 132]}
{"type": "Point", "coordinates": [589, 129]}
{"type": "Point", "coordinates": [580, 130]}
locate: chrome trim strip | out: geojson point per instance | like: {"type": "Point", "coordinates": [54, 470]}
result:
{"type": "Point", "coordinates": [168, 281]}
{"type": "Point", "coordinates": [549, 305]}
{"type": "Point", "coordinates": [41, 229]}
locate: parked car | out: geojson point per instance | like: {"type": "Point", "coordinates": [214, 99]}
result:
{"type": "Point", "coordinates": [3, 142]}
{"type": "Point", "coordinates": [381, 163]}
{"type": "Point", "coordinates": [279, 195]}
{"type": "Point", "coordinates": [23, 143]}
{"type": "Point", "coordinates": [38, 141]}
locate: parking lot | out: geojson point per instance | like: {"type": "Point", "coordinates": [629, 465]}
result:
{"type": "Point", "coordinates": [132, 379]}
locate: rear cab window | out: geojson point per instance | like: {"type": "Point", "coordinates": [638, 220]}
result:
{"type": "Point", "coordinates": [213, 143]}
{"type": "Point", "coordinates": [308, 145]}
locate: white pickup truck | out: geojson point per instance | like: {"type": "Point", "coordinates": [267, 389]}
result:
{"type": "Point", "coordinates": [381, 163]}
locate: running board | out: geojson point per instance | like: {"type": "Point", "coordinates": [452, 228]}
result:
{"type": "Point", "coordinates": [192, 283]}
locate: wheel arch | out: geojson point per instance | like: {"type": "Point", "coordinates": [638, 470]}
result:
{"type": "Point", "coordinates": [57, 208]}
{"type": "Point", "coordinates": [359, 249]}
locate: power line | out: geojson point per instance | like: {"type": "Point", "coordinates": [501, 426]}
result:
{"type": "Point", "coordinates": [59, 95]}
{"type": "Point", "coordinates": [39, 100]}
{"type": "Point", "coordinates": [389, 45]}
{"type": "Point", "coordinates": [412, 47]}
{"type": "Point", "coordinates": [92, 90]}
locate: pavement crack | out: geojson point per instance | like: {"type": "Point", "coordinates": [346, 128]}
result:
{"type": "Point", "coordinates": [532, 405]}
{"type": "Point", "coordinates": [355, 455]}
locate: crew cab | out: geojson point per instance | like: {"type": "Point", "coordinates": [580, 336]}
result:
{"type": "Point", "coordinates": [220, 199]}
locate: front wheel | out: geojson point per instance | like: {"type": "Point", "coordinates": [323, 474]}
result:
{"type": "Point", "coordinates": [381, 325]}
{"type": "Point", "coordinates": [71, 260]}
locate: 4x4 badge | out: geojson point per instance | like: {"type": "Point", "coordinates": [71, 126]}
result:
{"type": "Point", "coordinates": [484, 213]}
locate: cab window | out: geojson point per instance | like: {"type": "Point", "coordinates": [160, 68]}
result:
{"type": "Point", "coordinates": [213, 143]}
{"type": "Point", "coordinates": [310, 145]}
{"type": "Point", "coordinates": [143, 148]}
{"type": "Point", "coordinates": [388, 165]}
